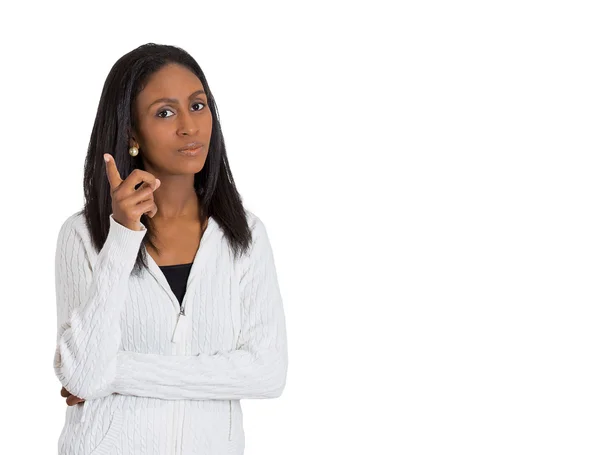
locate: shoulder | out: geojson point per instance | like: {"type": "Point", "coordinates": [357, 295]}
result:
{"type": "Point", "coordinates": [257, 226]}
{"type": "Point", "coordinates": [260, 245]}
{"type": "Point", "coordinates": [73, 229]}
{"type": "Point", "coordinates": [74, 222]}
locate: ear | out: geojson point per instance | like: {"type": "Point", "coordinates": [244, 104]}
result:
{"type": "Point", "coordinates": [132, 135]}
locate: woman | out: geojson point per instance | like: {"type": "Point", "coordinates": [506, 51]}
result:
{"type": "Point", "coordinates": [169, 309]}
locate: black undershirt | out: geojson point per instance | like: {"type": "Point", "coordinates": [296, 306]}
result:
{"type": "Point", "coordinates": [177, 276]}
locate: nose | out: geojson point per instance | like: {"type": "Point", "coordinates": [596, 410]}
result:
{"type": "Point", "coordinates": [186, 125]}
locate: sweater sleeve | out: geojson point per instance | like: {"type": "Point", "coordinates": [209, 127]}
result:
{"type": "Point", "coordinates": [256, 369]}
{"type": "Point", "coordinates": [89, 300]}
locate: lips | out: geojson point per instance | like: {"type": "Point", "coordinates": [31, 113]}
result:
{"type": "Point", "coordinates": [191, 152]}
{"type": "Point", "coordinates": [191, 146]}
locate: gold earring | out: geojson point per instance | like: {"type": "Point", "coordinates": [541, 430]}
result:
{"type": "Point", "coordinates": [133, 151]}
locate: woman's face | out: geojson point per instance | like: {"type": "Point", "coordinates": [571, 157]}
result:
{"type": "Point", "coordinates": [165, 126]}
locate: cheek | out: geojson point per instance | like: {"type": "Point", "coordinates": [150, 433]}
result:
{"type": "Point", "coordinates": [207, 118]}
{"type": "Point", "coordinates": [157, 133]}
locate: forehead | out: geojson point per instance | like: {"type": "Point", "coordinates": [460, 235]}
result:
{"type": "Point", "coordinates": [174, 81]}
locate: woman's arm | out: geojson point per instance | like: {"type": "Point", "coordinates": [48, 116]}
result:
{"type": "Point", "coordinates": [256, 369]}
{"type": "Point", "coordinates": [89, 302]}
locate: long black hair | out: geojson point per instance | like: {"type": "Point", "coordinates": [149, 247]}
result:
{"type": "Point", "coordinates": [115, 120]}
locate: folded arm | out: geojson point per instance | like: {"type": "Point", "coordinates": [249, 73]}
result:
{"type": "Point", "coordinates": [256, 369]}
{"type": "Point", "coordinates": [89, 302]}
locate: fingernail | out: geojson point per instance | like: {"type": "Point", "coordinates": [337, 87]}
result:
{"type": "Point", "coordinates": [106, 158]}
{"type": "Point", "coordinates": [157, 183]}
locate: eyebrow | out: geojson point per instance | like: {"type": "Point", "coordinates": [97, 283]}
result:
{"type": "Point", "coordinates": [173, 100]}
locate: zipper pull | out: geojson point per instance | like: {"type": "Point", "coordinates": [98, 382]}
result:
{"type": "Point", "coordinates": [181, 320]}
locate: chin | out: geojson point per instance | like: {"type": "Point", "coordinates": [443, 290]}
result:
{"type": "Point", "coordinates": [194, 166]}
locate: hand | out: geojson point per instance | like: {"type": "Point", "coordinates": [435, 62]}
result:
{"type": "Point", "coordinates": [129, 204]}
{"type": "Point", "coordinates": [71, 399]}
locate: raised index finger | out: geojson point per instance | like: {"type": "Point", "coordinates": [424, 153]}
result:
{"type": "Point", "coordinates": [114, 178]}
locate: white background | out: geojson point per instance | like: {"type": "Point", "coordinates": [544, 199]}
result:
{"type": "Point", "coordinates": [428, 173]}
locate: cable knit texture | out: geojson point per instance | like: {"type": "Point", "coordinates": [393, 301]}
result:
{"type": "Point", "coordinates": [156, 382]}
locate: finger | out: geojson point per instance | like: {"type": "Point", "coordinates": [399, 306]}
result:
{"type": "Point", "coordinates": [114, 178]}
{"type": "Point", "coordinates": [136, 177]}
{"type": "Point", "coordinates": [139, 196]}
{"type": "Point", "coordinates": [143, 207]}
{"type": "Point", "coordinates": [152, 212]}
{"type": "Point", "coordinates": [64, 392]}
{"type": "Point", "coordinates": [146, 196]}
{"type": "Point", "coordinates": [145, 185]}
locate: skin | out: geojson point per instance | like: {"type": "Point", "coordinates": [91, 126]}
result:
{"type": "Point", "coordinates": [163, 128]}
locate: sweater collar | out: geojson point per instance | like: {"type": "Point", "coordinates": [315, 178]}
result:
{"type": "Point", "coordinates": [199, 258]}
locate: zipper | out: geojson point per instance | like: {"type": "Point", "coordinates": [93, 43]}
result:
{"type": "Point", "coordinates": [175, 404]}
{"type": "Point", "coordinates": [176, 451]}
{"type": "Point", "coordinates": [182, 414]}
{"type": "Point", "coordinates": [177, 333]}
{"type": "Point", "coordinates": [84, 407]}
{"type": "Point", "coordinates": [182, 321]}
{"type": "Point", "coordinates": [178, 338]}
{"type": "Point", "coordinates": [176, 427]}
{"type": "Point", "coordinates": [181, 318]}
{"type": "Point", "coordinates": [230, 415]}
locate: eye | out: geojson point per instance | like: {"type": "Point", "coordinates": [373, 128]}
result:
{"type": "Point", "coordinates": [164, 110]}
{"type": "Point", "coordinates": [169, 110]}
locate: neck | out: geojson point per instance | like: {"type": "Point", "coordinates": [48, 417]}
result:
{"type": "Point", "coordinates": [176, 199]}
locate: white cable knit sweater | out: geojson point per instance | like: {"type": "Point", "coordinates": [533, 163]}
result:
{"type": "Point", "coordinates": [157, 382]}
